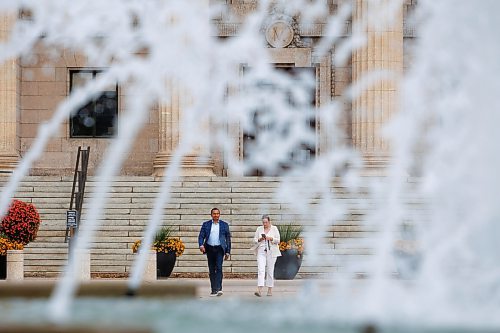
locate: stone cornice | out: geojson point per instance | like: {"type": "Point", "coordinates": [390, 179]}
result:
{"type": "Point", "coordinates": [229, 20]}
{"type": "Point", "coordinates": [230, 29]}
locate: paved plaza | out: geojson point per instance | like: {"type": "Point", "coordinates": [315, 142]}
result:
{"type": "Point", "coordinates": [245, 287]}
{"type": "Point", "coordinates": [199, 287]}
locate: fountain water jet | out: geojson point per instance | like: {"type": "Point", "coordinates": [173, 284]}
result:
{"type": "Point", "coordinates": [443, 98]}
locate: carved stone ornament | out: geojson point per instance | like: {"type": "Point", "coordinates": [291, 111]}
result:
{"type": "Point", "coordinates": [279, 34]}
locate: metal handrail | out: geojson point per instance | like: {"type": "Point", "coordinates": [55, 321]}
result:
{"type": "Point", "coordinates": [76, 201]}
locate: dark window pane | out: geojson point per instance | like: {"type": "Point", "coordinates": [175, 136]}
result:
{"type": "Point", "coordinates": [105, 114]}
{"type": "Point", "coordinates": [97, 118]}
{"type": "Point", "coordinates": [82, 123]}
{"type": "Point", "coordinates": [81, 78]}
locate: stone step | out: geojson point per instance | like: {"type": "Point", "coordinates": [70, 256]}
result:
{"type": "Point", "coordinates": [242, 201]}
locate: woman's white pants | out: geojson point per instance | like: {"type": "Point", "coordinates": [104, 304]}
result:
{"type": "Point", "coordinates": [265, 268]}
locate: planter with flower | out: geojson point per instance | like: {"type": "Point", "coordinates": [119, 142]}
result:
{"type": "Point", "coordinates": [6, 245]}
{"type": "Point", "coordinates": [19, 227]}
{"type": "Point", "coordinates": [292, 250]}
{"type": "Point", "coordinates": [167, 249]}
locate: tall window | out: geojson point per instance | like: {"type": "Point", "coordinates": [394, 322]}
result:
{"type": "Point", "coordinates": [96, 119]}
{"type": "Point", "coordinates": [263, 126]}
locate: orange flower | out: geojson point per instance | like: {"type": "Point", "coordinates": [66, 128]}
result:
{"type": "Point", "coordinates": [168, 245]}
{"type": "Point", "coordinates": [296, 244]}
{"type": "Point", "coordinates": [7, 244]}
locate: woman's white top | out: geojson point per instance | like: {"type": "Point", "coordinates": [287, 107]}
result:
{"type": "Point", "coordinates": [273, 245]}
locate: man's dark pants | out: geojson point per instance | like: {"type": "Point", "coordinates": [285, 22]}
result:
{"type": "Point", "coordinates": [215, 257]}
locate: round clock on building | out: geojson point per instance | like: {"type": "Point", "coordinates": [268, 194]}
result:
{"type": "Point", "coordinates": [279, 34]}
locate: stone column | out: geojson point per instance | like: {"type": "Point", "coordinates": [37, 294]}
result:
{"type": "Point", "coordinates": [198, 163]}
{"type": "Point", "coordinates": [150, 270]}
{"type": "Point", "coordinates": [9, 102]}
{"type": "Point", "coordinates": [83, 270]}
{"type": "Point", "coordinates": [15, 265]}
{"type": "Point", "coordinates": [376, 99]}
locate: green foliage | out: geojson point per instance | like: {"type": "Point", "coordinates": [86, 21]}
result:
{"type": "Point", "coordinates": [290, 231]}
{"type": "Point", "coordinates": [163, 234]}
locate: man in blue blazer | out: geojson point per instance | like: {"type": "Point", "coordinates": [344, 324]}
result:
{"type": "Point", "coordinates": [215, 241]}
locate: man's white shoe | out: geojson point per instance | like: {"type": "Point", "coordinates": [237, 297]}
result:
{"type": "Point", "coordinates": [220, 293]}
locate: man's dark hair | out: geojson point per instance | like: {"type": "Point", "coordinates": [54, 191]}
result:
{"type": "Point", "coordinates": [212, 210]}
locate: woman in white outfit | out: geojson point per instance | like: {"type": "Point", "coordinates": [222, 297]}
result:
{"type": "Point", "coordinates": [266, 240]}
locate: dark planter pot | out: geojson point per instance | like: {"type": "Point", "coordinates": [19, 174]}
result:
{"type": "Point", "coordinates": [288, 265]}
{"type": "Point", "coordinates": [3, 267]}
{"type": "Point", "coordinates": [165, 262]}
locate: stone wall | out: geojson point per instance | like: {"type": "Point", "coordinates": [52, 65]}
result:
{"type": "Point", "coordinates": [44, 85]}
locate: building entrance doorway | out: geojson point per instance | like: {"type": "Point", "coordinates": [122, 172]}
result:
{"type": "Point", "coordinates": [284, 113]}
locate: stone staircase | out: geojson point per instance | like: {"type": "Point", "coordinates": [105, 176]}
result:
{"type": "Point", "coordinates": [242, 201]}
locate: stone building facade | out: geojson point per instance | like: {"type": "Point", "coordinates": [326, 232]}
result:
{"type": "Point", "coordinates": [32, 86]}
